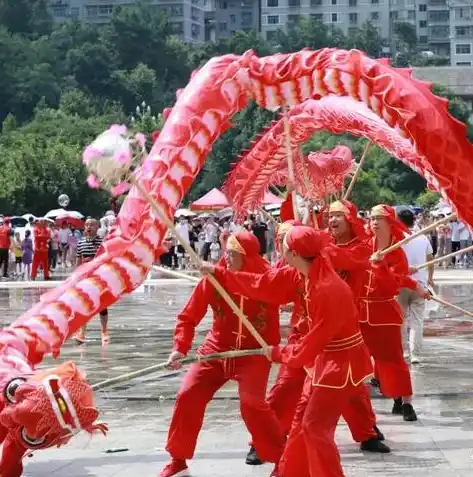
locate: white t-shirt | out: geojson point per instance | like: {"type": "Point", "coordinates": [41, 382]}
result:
{"type": "Point", "coordinates": [64, 235]}
{"type": "Point", "coordinates": [210, 232]}
{"type": "Point", "coordinates": [416, 252]}
{"type": "Point", "coordinates": [464, 232]}
{"type": "Point", "coordinates": [455, 231]}
{"type": "Point", "coordinates": [183, 230]}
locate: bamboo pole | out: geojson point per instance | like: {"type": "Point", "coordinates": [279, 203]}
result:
{"type": "Point", "coordinates": [357, 172]}
{"type": "Point", "coordinates": [443, 302]}
{"type": "Point", "coordinates": [290, 161]}
{"type": "Point", "coordinates": [441, 259]}
{"type": "Point", "coordinates": [173, 273]}
{"type": "Point", "coordinates": [382, 253]}
{"type": "Point", "coordinates": [158, 367]}
{"type": "Point", "coordinates": [170, 225]}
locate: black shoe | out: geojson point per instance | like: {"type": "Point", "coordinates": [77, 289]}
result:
{"type": "Point", "coordinates": [374, 382]}
{"type": "Point", "coordinates": [379, 434]}
{"type": "Point", "coordinates": [374, 445]}
{"type": "Point", "coordinates": [397, 407]}
{"type": "Point", "coordinates": [252, 458]}
{"type": "Point", "coordinates": [408, 412]}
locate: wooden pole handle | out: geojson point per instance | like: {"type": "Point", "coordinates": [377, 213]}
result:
{"type": "Point", "coordinates": [170, 225]}
{"type": "Point", "coordinates": [382, 253]}
{"type": "Point", "coordinates": [445, 257]}
{"type": "Point", "coordinates": [290, 160]}
{"type": "Point", "coordinates": [358, 171]}
{"type": "Point", "coordinates": [451, 305]}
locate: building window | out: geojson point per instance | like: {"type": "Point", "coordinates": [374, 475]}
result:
{"type": "Point", "coordinates": [353, 18]}
{"type": "Point", "coordinates": [334, 2]}
{"type": "Point", "coordinates": [247, 18]}
{"type": "Point", "coordinates": [439, 32]}
{"type": "Point", "coordinates": [105, 10]}
{"type": "Point", "coordinates": [232, 18]}
{"type": "Point", "coordinates": [195, 31]}
{"type": "Point", "coordinates": [334, 18]}
{"type": "Point", "coordinates": [177, 27]}
{"type": "Point", "coordinates": [59, 11]}
{"type": "Point", "coordinates": [272, 35]}
{"type": "Point", "coordinates": [423, 39]}
{"type": "Point", "coordinates": [178, 11]}
{"type": "Point", "coordinates": [423, 7]}
{"type": "Point", "coordinates": [463, 49]}
{"type": "Point", "coordinates": [411, 15]}
{"type": "Point", "coordinates": [394, 15]}
{"type": "Point", "coordinates": [195, 13]}
{"type": "Point", "coordinates": [315, 3]}
{"type": "Point", "coordinates": [91, 10]}
{"type": "Point", "coordinates": [223, 5]}
{"type": "Point", "coordinates": [463, 13]}
{"type": "Point", "coordinates": [318, 17]}
{"type": "Point", "coordinates": [463, 63]}
{"type": "Point", "coordinates": [374, 2]}
{"type": "Point", "coordinates": [352, 31]}
{"type": "Point", "coordinates": [273, 19]}
{"type": "Point", "coordinates": [293, 18]}
{"type": "Point", "coordinates": [294, 3]}
{"type": "Point", "coordinates": [75, 12]}
{"type": "Point", "coordinates": [423, 24]}
{"type": "Point", "coordinates": [352, 3]}
{"type": "Point", "coordinates": [374, 16]}
{"type": "Point", "coordinates": [273, 3]}
{"type": "Point", "coordinates": [247, 3]}
{"type": "Point", "coordinates": [442, 16]}
{"type": "Point", "coordinates": [223, 26]}
{"type": "Point", "coordinates": [463, 31]}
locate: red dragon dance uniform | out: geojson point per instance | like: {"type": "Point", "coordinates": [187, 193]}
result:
{"type": "Point", "coordinates": [332, 352]}
{"type": "Point", "coordinates": [41, 237]}
{"type": "Point", "coordinates": [381, 315]}
{"type": "Point", "coordinates": [203, 380]}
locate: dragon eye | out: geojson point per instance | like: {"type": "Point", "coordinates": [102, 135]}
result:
{"type": "Point", "coordinates": [30, 441]}
{"type": "Point", "coordinates": [10, 389]}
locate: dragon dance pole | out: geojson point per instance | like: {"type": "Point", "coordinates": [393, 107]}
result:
{"type": "Point", "coordinates": [158, 367]}
{"type": "Point", "coordinates": [357, 172]}
{"type": "Point", "coordinates": [290, 162]}
{"type": "Point", "coordinates": [170, 225]}
{"type": "Point", "coordinates": [441, 259]}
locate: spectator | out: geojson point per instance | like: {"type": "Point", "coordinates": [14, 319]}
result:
{"type": "Point", "coordinates": [418, 251]}
{"type": "Point", "coordinates": [260, 230]}
{"type": "Point", "coordinates": [5, 234]}
{"type": "Point", "coordinates": [465, 241]}
{"type": "Point", "coordinates": [215, 251]}
{"type": "Point", "coordinates": [224, 235]}
{"type": "Point", "coordinates": [455, 225]}
{"type": "Point", "coordinates": [183, 229]}
{"type": "Point", "coordinates": [72, 241]}
{"type": "Point", "coordinates": [64, 242]}
{"type": "Point", "coordinates": [16, 249]}
{"type": "Point", "coordinates": [211, 234]}
{"type": "Point", "coordinates": [87, 248]}
{"type": "Point", "coordinates": [27, 250]}
{"type": "Point", "coordinates": [54, 247]}
{"type": "Point", "coordinates": [444, 235]}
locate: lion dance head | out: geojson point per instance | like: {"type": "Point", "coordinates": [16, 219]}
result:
{"type": "Point", "coordinates": [44, 410]}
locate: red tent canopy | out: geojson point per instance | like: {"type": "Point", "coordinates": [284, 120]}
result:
{"type": "Point", "coordinates": [213, 200]}
{"type": "Point", "coordinates": [270, 198]}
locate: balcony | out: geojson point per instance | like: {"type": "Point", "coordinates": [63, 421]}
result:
{"type": "Point", "coordinates": [437, 4]}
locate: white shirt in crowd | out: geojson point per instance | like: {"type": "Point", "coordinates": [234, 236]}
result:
{"type": "Point", "coordinates": [455, 231]}
{"type": "Point", "coordinates": [210, 232]}
{"type": "Point", "coordinates": [64, 235]}
{"type": "Point", "coordinates": [183, 230]}
{"type": "Point", "coordinates": [463, 232]}
{"type": "Point", "coordinates": [416, 252]}
{"type": "Point", "coordinates": [214, 251]}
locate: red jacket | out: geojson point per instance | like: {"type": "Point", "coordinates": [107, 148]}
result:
{"type": "Point", "coordinates": [4, 236]}
{"type": "Point", "coordinates": [227, 332]}
{"type": "Point", "coordinates": [332, 351]}
{"type": "Point", "coordinates": [41, 238]}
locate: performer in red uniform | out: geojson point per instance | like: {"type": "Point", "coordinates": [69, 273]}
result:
{"type": "Point", "coordinates": [382, 317]}
{"type": "Point", "coordinates": [41, 235]}
{"type": "Point", "coordinates": [203, 380]}
{"type": "Point", "coordinates": [332, 352]}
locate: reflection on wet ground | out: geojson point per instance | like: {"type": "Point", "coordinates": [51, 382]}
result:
{"type": "Point", "coordinates": [141, 328]}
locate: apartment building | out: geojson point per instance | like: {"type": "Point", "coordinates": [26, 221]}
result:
{"type": "Point", "coordinates": [461, 32]}
{"type": "Point", "coordinates": [186, 16]}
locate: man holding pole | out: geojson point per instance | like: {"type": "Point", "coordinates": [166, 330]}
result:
{"type": "Point", "coordinates": [418, 251]}
{"type": "Point", "coordinates": [203, 380]}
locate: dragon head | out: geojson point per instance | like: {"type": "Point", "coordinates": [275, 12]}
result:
{"type": "Point", "coordinates": [48, 408]}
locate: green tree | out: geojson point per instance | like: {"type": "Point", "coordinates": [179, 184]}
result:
{"type": "Point", "coordinates": [26, 17]}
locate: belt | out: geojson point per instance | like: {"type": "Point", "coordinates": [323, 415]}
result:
{"type": "Point", "coordinates": [345, 343]}
{"type": "Point", "coordinates": [378, 300]}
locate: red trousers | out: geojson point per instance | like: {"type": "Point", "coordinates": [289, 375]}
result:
{"type": "Point", "coordinates": [40, 259]}
{"type": "Point", "coordinates": [200, 384]}
{"type": "Point", "coordinates": [286, 394]}
{"type": "Point", "coordinates": [385, 345]}
{"type": "Point", "coordinates": [311, 450]}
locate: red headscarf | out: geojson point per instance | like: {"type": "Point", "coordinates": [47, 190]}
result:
{"type": "Point", "coordinates": [312, 244]}
{"type": "Point", "coordinates": [350, 211]}
{"type": "Point", "coordinates": [398, 229]}
{"type": "Point", "coordinates": [246, 244]}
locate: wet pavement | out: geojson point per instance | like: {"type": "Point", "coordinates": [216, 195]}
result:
{"type": "Point", "coordinates": [440, 444]}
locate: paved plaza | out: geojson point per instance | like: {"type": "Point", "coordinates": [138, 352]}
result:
{"type": "Point", "coordinates": [440, 444]}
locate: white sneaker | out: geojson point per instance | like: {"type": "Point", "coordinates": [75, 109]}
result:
{"type": "Point", "coordinates": [415, 359]}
